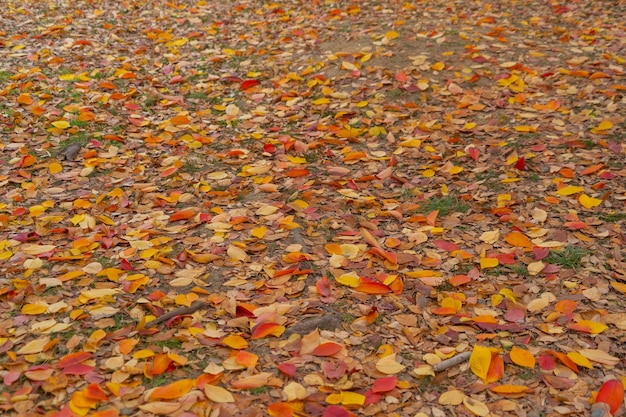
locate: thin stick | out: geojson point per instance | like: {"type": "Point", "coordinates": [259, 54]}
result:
{"type": "Point", "coordinates": [195, 306]}
{"type": "Point", "coordinates": [453, 361]}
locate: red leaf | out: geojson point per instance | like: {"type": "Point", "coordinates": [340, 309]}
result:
{"type": "Point", "coordinates": [327, 349]}
{"type": "Point", "coordinates": [521, 164]}
{"type": "Point", "coordinates": [288, 369]}
{"type": "Point", "coordinates": [77, 369]}
{"type": "Point", "coordinates": [445, 245]}
{"type": "Point", "coordinates": [384, 384]}
{"type": "Point", "coordinates": [335, 411]}
{"type": "Point", "coordinates": [248, 84]}
{"type": "Point", "coordinates": [474, 153]}
{"type": "Point", "coordinates": [611, 393]}
{"type": "Point", "coordinates": [323, 286]}
{"type": "Point", "coordinates": [73, 359]}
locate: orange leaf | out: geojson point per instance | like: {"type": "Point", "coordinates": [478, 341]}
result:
{"type": "Point", "coordinates": [169, 171]}
{"type": "Point", "coordinates": [25, 98]}
{"type": "Point", "coordinates": [496, 368]}
{"type": "Point", "coordinates": [518, 239]}
{"type": "Point", "coordinates": [565, 360]}
{"type": "Point", "coordinates": [179, 120]}
{"type": "Point", "coordinates": [522, 357]}
{"type": "Point", "coordinates": [297, 172]}
{"type": "Point", "coordinates": [266, 329]}
{"type": "Point", "coordinates": [373, 287]}
{"type": "Point", "coordinates": [160, 364]}
{"type": "Point", "coordinates": [280, 410]}
{"type": "Point", "coordinates": [182, 215]}
{"type": "Point", "coordinates": [246, 359]}
{"type": "Point", "coordinates": [592, 169]}
{"type": "Point", "coordinates": [172, 391]}
{"type": "Point", "coordinates": [94, 392]}
{"type": "Point", "coordinates": [327, 349]}
{"type": "Point", "coordinates": [611, 393]}
{"type": "Point", "coordinates": [458, 280]}
{"type": "Point", "coordinates": [511, 389]}
{"type": "Point", "coordinates": [565, 306]}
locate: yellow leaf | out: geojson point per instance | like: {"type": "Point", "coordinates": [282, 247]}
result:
{"type": "Point", "coordinates": [321, 101]}
{"type": "Point", "coordinates": [218, 394]}
{"type": "Point", "coordinates": [61, 124]}
{"type": "Point", "coordinates": [488, 263]}
{"type": "Point", "coordinates": [535, 267]}
{"type": "Point", "coordinates": [352, 398]}
{"type": "Point", "coordinates": [522, 357]}
{"type": "Point", "coordinates": [591, 326]}
{"type": "Point", "coordinates": [580, 360]}
{"type": "Point", "coordinates": [34, 309]}
{"type": "Point", "coordinates": [452, 397]}
{"type": "Point", "coordinates": [588, 202]}
{"type": "Point", "coordinates": [428, 173]}
{"type": "Point", "coordinates": [350, 279]}
{"type": "Point", "coordinates": [569, 190]}
{"type": "Point", "coordinates": [388, 365]}
{"type": "Point", "coordinates": [296, 159]}
{"type": "Point", "coordinates": [438, 66]}
{"type": "Point", "coordinates": [605, 125]}
{"type": "Point", "coordinates": [259, 232]}
{"type": "Point", "coordinates": [476, 407]}
{"type": "Point", "coordinates": [392, 34]}
{"type": "Point", "coordinates": [525, 128]}
{"type": "Point", "coordinates": [479, 361]}
{"type": "Point", "coordinates": [235, 342]}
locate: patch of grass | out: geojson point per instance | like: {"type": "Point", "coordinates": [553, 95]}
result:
{"type": "Point", "coordinates": [445, 205]}
{"type": "Point", "coordinates": [348, 318]}
{"type": "Point", "coordinates": [4, 76]}
{"type": "Point", "coordinates": [260, 390]}
{"type": "Point", "coordinates": [157, 381]}
{"type": "Point", "coordinates": [613, 217]}
{"type": "Point", "coordinates": [170, 343]}
{"type": "Point", "coordinates": [570, 257]}
{"type": "Point", "coordinates": [519, 270]}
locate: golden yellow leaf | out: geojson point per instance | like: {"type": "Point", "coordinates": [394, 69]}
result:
{"type": "Point", "coordinates": [522, 357]}
{"type": "Point", "coordinates": [392, 34]}
{"type": "Point", "coordinates": [350, 279]}
{"type": "Point", "coordinates": [235, 342]}
{"type": "Point", "coordinates": [34, 309]}
{"type": "Point", "coordinates": [588, 202]}
{"type": "Point", "coordinates": [34, 346]}
{"type": "Point", "coordinates": [479, 361]}
{"type": "Point", "coordinates": [259, 232]}
{"type": "Point", "coordinates": [61, 124]}
{"type": "Point", "coordinates": [488, 263]}
{"type": "Point", "coordinates": [569, 190]}
{"type": "Point", "coordinates": [55, 168]}
{"type": "Point", "coordinates": [579, 360]}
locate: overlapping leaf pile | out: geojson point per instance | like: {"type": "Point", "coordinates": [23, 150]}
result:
{"type": "Point", "coordinates": [312, 208]}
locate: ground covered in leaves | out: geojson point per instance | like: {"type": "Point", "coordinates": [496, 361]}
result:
{"type": "Point", "coordinates": [312, 208]}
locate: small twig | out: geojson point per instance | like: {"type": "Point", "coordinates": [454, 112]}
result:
{"type": "Point", "coordinates": [195, 306]}
{"type": "Point", "coordinates": [453, 361]}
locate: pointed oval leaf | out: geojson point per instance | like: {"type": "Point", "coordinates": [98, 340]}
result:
{"type": "Point", "coordinates": [611, 393]}
{"type": "Point", "coordinates": [480, 359]}
{"type": "Point", "coordinates": [172, 391]}
{"type": "Point", "coordinates": [522, 357]}
{"type": "Point", "coordinates": [384, 384]}
{"type": "Point", "coordinates": [218, 394]}
{"type": "Point", "coordinates": [327, 349]}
